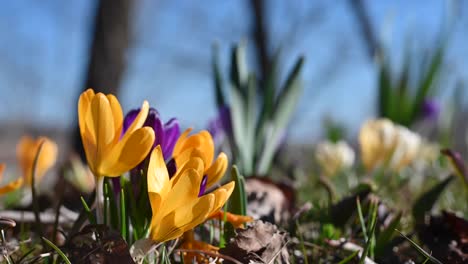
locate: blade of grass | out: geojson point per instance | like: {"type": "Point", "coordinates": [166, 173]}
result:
{"type": "Point", "coordinates": [372, 225]}
{"type": "Point", "coordinates": [60, 252]}
{"type": "Point", "coordinates": [38, 224]}
{"type": "Point", "coordinates": [386, 235]}
{"type": "Point", "coordinates": [418, 248]}
{"type": "Point", "coordinates": [349, 258]}
{"type": "Point", "coordinates": [91, 217]}
{"type": "Point", "coordinates": [361, 219]}
{"type": "Point", "coordinates": [123, 216]}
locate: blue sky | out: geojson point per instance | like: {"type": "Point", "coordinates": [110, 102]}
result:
{"type": "Point", "coordinates": [44, 49]}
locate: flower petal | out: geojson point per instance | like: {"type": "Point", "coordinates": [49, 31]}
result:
{"type": "Point", "coordinates": [139, 120]}
{"type": "Point", "coordinates": [117, 116]}
{"type": "Point", "coordinates": [217, 170]}
{"type": "Point", "coordinates": [2, 169]}
{"type": "Point", "coordinates": [47, 157]}
{"type": "Point", "coordinates": [178, 148]}
{"type": "Point", "coordinates": [171, 134]}
{"type": "Point", "coordinates": [195, 163]}
{"type": "Point", "coordinates": [83, 107]}
{"type": "Point", "coordinates": [184, 218]}
{"type": "Point", "coordinates": [12, 186]}
{"type": "Point", "coordinates": [158, 177]}
{"type": "Point", "coordinates": [128, 152]}
{"type": "Point", "coordinates": [222, 194]}
{"type": "Point", "coordinates": [102, 125]}
{"type": "Point", "coordinates": [182, 192]}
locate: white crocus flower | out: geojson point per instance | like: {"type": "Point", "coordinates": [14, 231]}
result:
{"type": "Point", "coordinates": [334, 157]}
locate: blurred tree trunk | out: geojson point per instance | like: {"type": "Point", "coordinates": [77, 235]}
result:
{"type": "Point", "coordinates": [107, 61]}
{"type": "Point", "coordinates": [260, 36]}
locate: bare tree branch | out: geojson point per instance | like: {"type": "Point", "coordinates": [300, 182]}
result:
{"type": "Point", "coordinates": [374, 48]}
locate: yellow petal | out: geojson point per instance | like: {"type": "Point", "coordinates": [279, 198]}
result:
{"type": "Point", "coordinates": [155, 202]}
{"type": "Point", "coordinates": [128, 153]}
{"type": "Point", "coordinates": [102, 125]}
{"type": "Point", "coordinates": [237, 221]}
{"type": "Point", "coordinates": [184, 191]}
{"type": "Point", "coordinates": [195, 163]}
{"type": "Point", "coordinates": [83, 107]}
{"type": "Point", "coordinates": [222, 194]}
{"type": "Point", "coordinates": [12, 186]}
{"type": "Point", "coordinates": [47, 157]}
{"type": "Point", "coordinates": [26, 152]}
{"type": "Point", "coordinates": [139, 120]}
{"type": "Point", "coordinates": [2, 169]}
{"type": "Point", "coordinates": [117, 116]}
{"type": "Point", "coordinates": [186, 155]}
{"type": "Point", "coordinates": [158, 176]}
{"type": "Point", "coordinates": [202, 141]}
{"type": "Point", "coordinates": [184, 218]}
{"type": "Point", "coordinates": [178, 148]}
{"type": "Point", "coordinates": [217, 170]}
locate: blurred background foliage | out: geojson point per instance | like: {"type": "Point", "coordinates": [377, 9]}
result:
{"type": "Point", "coordinates": [47, 53]}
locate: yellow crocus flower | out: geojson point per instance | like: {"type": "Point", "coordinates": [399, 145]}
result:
{"type": "Point", "coordinates": [26, 151]}
{"type": "Point", "coordinates": [11, 186]}
{"type": "Point", "coordinates": [175, 202]}
{"type": "Point", "coordinates": [201, 145]}
{"type": "Point", "coordinates": [107, 152]}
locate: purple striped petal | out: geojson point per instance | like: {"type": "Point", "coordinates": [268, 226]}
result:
{"type": "Point", "coordinates": [203, 186]}
{"type": "Point", "coordinates": [128, 120]}
{"type": "Point", "coordinates": [171, 167]}
{"type": "Point", "coordinates": [171, 134]}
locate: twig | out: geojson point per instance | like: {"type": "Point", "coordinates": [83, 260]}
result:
{"type": "Point", "coordinates": [47, 217]}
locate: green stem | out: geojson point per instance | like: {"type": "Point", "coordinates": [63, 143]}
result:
{"type": "Point", "coordinates": [99, 199]}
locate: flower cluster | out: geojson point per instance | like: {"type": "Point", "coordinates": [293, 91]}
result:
{"type": "Point", "coordinates": [384, 143]}
{"type": "Point", "coordinates": [180, 172]}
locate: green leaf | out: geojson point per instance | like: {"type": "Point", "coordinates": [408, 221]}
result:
{"type": "Point", "coordinates": [372, 225]}
{"type": "Point", "coordinates": [427, 200]}
{"type": "Point", "coordinates": [386, 235]}
{"type": "Point", "coordinates": [110, 196]}
{"type": "Point", "coordinates": [361, 219]}
{"type": "Point", "coordinates": [268, 94]}
{"type": "Point", "coordinates": [238, 106]}
{"type": "Point", "coordinates": [123, 216]}
{"type": "Point", "coordinates": [284, 107]}
{"type": "Point", "coordinates": [385, 91]}
{"type": "Point", "coordinates": [349, 258]}
{"type": "Point", "coordinates": [90, 215]}
{"type": "Point", "coordinates": [60, 252]}
{"type": "Point", "coordinates": [429, 77]}
{"type": "Point", "coordinates": [239, 71]}
{"type": "Point", "coordinates": [35, 200]}
{"type": "Point", "coordinates": [217, 78]}
{"type": "Point", "coordinates": [238, 202]}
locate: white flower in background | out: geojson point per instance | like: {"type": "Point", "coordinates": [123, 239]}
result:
{"type": "Point", "coordinates": [377, 139]}
{"type": "Point", "coordinates": [406, 149]}
{"type": "Point", "coordinates": [385, 143]}
{"type": "Point", "coordinates": [334, 157]}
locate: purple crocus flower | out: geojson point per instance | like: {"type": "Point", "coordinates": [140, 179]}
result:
{"type": "Point", "coordinates": [166, 135]}
{"type": "Point", "coordinates": [221, 126]}
{"type": "Point", "coordinates": [430, 109]}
